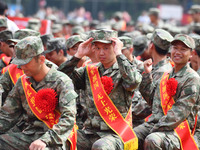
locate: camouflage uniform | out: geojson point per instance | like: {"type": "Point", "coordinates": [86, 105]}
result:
{"type": "Point", "coordinates": [17, 110]}
{"type": "Point", "coordinates": [158, 132]}
{"type": "Point", "coordinates": [6, 83]}
{"type": "Point", "coordinates": [96, 134]}
{"type": "Point", "coordinates": [3, 23]}
{"type": "Point", "coordinates": [197, 49]}
{"type": "Point", "coordinates": [4, 37]}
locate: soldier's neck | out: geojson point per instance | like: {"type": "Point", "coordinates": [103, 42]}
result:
{"type": "Point", "coordinates": [178, 67]}
{"type": "Point", "coordinates": [157, 58]}
{"type": "Point", "coordinates": [109, 64]}
{"type": "Point", "coordinates": [41, 75]}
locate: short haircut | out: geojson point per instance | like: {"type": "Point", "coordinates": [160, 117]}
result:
{"type": "Point", "coordinates": [198, 52]}
{"type": "Point", "coordinates": [64, 50]}
{"type": "Point", "coordinates": [160, 51]}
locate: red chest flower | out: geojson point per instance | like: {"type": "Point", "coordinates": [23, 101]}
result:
{"type": "Point", "coordinates": [171, 86]}
{"type": "Point", "coordinates": [107, 83]}
{"type": "Point", "coordinates": [46, 100]}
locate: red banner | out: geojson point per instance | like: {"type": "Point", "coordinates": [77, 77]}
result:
{"type": "Point", "coordinates": [23, 22]}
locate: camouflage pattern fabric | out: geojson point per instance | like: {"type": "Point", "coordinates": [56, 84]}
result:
{"type": "Point", "coordinates": [73, 40]}
{"type": "Point", "coordinates": [125, 78]}
{"type": "Point", "coordinates": [187, 40]}
{"type": "Point", "coordinates": [127, 42]}
{"type": "Point", "coordinates": [55, 44]}
{"type": "Point", "coordinates": [45, 38]}
{"type": "Point", "coordinates": [29, 126]}
{"type": "Point", "coordinates": [185, 107]}
{"type": "Point", "coordinates": [5, 35]}
{"type": "Point", "coordinates": [26, 49]}
{"type": "Point", "coordinates": [161, 38]}
{"type": "Point", "coordinates": [6, 83]}
{"type": "Point", "coordinates": [22, 33]}
{"type": "Point", "coordinates": [149, 81]}
{"type": "Point", "coordinates": [3, 22]}
{"type": "Point", "coordinates": [103, 35]}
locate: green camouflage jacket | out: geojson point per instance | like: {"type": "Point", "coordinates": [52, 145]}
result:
{"type": "Point", "coordinates": [16, 107]}
{"type": "Point", "coordinates": [186, 103]}
{"type": "Point", "coordinates": [125, 79]}
{"type": "Point", "coordinates": [149, 81]}
{"type": "Point", "coordinates": [6, 83]}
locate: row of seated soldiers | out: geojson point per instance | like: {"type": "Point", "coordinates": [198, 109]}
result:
{"type": "Point", "coordinates": [101, 97]}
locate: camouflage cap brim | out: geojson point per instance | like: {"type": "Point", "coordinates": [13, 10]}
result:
{"type": "Point", "coordinates": [48, 51]}
{"type": "Point", "coordinates": [102, 41]}
{"type": "Point", "coordinates": [174, 41]}
{"type": "Point", "coordinates": [21, 61]}
{"type": "Point", "coordinates": [14, 40]}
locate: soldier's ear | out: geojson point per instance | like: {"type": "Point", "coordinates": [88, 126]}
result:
{"type": "Point", "coordinates": [42, 59]}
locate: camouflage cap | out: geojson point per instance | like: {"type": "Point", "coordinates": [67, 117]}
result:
{"type": "Point", "coordinates": [3, 22]}
{"type": "Point", "coordinates": [103, 35]}
{"type": "Point", "coordinates": [77, 30]}
{"type": "Point", "coordinates": [118, 15]}
{"type": "Point", "coordinates": [5, 35]}
{"type": "Point", "coordinates": [146, 28]}
{"type": "Point", "coordinates": [196, 38]}
{"type": "Point", "coordinates": [187, 40]}
{"type": "Point", "coordinates": [45, 38]}
{"type": "Point", "coordinates": [161, 38]}
{"type": "Point", "coordinates": [94, 23]}
{"type": "Point", "coordinates": [71, 41]}
{"type": "Point", "coordinates": [34, 24]}
{"type": "Point", "coordinates": [55, 44]}
{"type": "Point", "coordinates": [140, 43]}
{"type": "Point", "coordinates": [56, 28]}
{"type": "Point", "coordinates": [26, 49]}
{"type": "Point", "coordinates": [194, 9]}
{"type": "Point", "coordinates": [154, 11]}
{"type": "Point", "coordinates": [127, 42]}
{"type": "Point", "coordinates": [22, 33]}
{"type": "Point", "coordinates": [133, 34]}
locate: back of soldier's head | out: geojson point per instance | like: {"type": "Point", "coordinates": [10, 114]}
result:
{"type": "Point", "coordinates": [161, 39]}
{"type": "Point", "coordinates": [73, 40]}
{"type": "Point", "coordinates": [56, 44]}
{"type": "Point", "coordinates": [3, 7]}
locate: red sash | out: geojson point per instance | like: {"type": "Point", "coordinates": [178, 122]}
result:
{"type": "Point", "coordinates": [108, 111]}
{"type": "Point", "coordinates": [6, 60]}
{"type": "Point", "coordinates": [86, 62]}
{"type": "Point", "coordinates": [2, 55]}
{"type": "Point", "coordinates": [48, 118]}
{"type": "Point", "coordinates": [183, 130]}
{"type": "Point", "coordinates": [14, 72]}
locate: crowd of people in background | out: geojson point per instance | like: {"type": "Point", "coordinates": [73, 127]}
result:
{"type": "Point", "coordinates": [107, 84]}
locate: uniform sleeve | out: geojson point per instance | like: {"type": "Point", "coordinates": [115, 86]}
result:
{"type": "Point", "coordinates": [147, 88]}
{"type": "Point", "coordinates": [67, 106]}
{"type": "Point", "coordinates": [182, 108]}
{"type": "Point", "coordinates": [5, 85]}
{"type": "Point", "coordinates": [130, 75]}
{"type": "Point", "coordinates": [11, 110]}
{"type": "Point", "coordinates": [77, 75]}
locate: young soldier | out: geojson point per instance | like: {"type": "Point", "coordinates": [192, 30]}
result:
{"type": "Point", "coordinates": [12, 72]}
{"type": "Point", "coordinates": [175, 103]}
{"type": "Point", "coordinates": [158, 48]}
{"type": "Point", "coordinates": [40, 127]}
{"type": "Point", "coordinates": [6, 47]}
{"type": "Point", "coordinates": [96, 133]}
{"type": "Point", "coordinates": [56, 51]}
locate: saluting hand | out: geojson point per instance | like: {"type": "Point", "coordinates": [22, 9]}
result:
{"type": "Point", "coordinates": [37, 145]}
{"type": "Point", "coordinates": [84, 48]}
{"type": "Point", "coordinates": [117, 45]}
{"type": "Point", "coordinates": [148, 65]}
